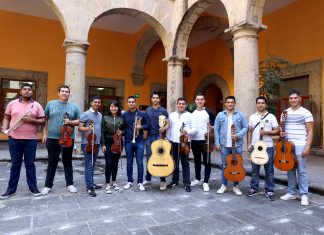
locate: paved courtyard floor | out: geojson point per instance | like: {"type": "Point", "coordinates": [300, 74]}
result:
{"type": "Point", "coordinates": [151, 212]}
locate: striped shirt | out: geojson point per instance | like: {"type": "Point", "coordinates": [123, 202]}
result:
{"type": "Point", "coordinates": [295, 127]}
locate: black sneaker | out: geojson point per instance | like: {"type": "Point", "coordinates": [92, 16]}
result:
{"type": "Point", "coordinates": [270, 196]}
{"type": "Point", "coordinates": [99, 186]}
{"type": "Point", "coordinates": [172, 184]}
{"type": "Point", "coordinates": [7, 194]}
{"type": "Point", "coordinates": [188, 188]}
{"type": "Point", "coordinates": [92, 192]}
{"type": "Point", "coordinates": [36, 192]}
{"type": "Point", "coordinates": [252, 192]}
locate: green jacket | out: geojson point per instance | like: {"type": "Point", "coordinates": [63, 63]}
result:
{"type": "Point", "coordinates": [109, 125]}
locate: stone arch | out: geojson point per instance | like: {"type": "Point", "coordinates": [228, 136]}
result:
{"type": "Point", "coordinates": [154, 12]}
{"type": "Point", "coordinates": [213, 79]}
{"type": "Point", "coordinates": [255, 11]}
{"type": "Point", "coordinates": [195, 8]}
{"type": "Point", "coordinates": [144, 45]}
{"type": "Point", "coordinates": [150, 37]}
{"type": "Point", "coordinates": [57, 11]}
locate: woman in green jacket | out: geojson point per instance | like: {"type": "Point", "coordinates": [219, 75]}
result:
{"type": "Point", "coordinates": [111, 123]}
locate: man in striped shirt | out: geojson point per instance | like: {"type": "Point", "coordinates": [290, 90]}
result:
{"type": "Point", "coordinates": [298, 130]}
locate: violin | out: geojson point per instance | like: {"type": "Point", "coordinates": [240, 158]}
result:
{"type": "Point", "coordinates": [65, 130]}
{"type": "Point", "coordinates": [184, 148]}
{"type": "Point", "coordinates": [91, 147]}
{"type": "Point", "coordinates": [117, 146]}
{"type": "Point", "coordinates": [209, 146]}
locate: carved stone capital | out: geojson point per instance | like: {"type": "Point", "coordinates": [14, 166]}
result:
{"type": "Point", "coordinates": [72, 46]}
{"type": "Point", "coordinates": [138, 79]}
{"type": "Point", "coordinates": [246, 29]}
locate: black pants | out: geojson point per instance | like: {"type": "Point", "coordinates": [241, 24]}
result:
{"type": "Point", "coordinates": [54, 150]}
{"type": "Point", "coordinates": [197, 147]}
{"type": "Point", "coordinates": [112, 160]}
{"type": "Point", "coordinates": [184, 162]}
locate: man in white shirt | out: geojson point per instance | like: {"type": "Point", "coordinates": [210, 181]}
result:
{"type": "Point", "coordinates": [202, 119]}
{"type": "Point", "coordinates": [262, 124]}
{"type": "Point", "coordinates": [299, 130]}
{"type": "Point", "coordinates": [180, 125]}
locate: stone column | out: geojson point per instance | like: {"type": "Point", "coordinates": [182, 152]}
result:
{"type": "Point", "coordinates": [246, 67]}
{"type": "Point", "coordinates": [75, 71]}
{"type": "Point", "coordinates": [174, 82]}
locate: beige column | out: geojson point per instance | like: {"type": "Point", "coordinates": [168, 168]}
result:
{"type": "Point", "coordinates": [75, 70]}
{"type": "Point", "coordinates": [246, 67]}
{"type": "Point", "coordinates": [174, 82]}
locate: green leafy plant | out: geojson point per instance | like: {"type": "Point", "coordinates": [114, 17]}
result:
{"type": "Point", "coordinates": [270, 75]}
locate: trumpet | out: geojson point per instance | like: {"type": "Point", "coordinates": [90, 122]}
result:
{"type": "Point", "coordinates": [20, 120]}
{"type": "Point", "coordinates": [137, 122]}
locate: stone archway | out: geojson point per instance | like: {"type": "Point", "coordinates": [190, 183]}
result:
{"type": "Point", "coordinates": [144, 45]}
{"type": "Point", "coordinates": [213, 86]}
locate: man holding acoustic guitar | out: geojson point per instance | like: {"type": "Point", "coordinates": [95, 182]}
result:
{"type": "Point", "coordinates": [154, 131]}
{"type": "Point", "coordinates": [230, 127]}
{"type": "Point", "coordinates": [298, 131]}
{"type": "Point", "coordinates": [262, 126]}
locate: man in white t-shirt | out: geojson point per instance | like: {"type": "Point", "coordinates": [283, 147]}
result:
{"type": "Point", "coordinates": [262, 124]}
{"type": "Point", "coordinates": [298, 130]}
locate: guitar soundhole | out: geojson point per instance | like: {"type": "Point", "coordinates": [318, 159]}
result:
{"type": "Point", "coordinates": [234, 162]}
{"type": "Point", "coordinates": [260, 148]}
{"type": "Point", "coordinates": [160, 151]}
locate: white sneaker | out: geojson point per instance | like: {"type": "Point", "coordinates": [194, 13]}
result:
{"type": "Point", "coordinates": [141, 187]}
{"type": "Point", "coordinates": [237, 191]}
{"type": "Point", "coordinates": [108, 191]}
{"type": "Point", "coordinates": [72, 189]}
{"type": "Point", "coordinates": [115, 186]}
{"type": "Point", "coordinates": [163, 186]}
{"type": "Point", "coordinates": [128, 185]}
{"type": "Point", "coordinates": [304, 200]}
{"type": "Point", "coordinates": [288, 197]}
{"type": "Point", "coordinates": [147, 182]}
{"type": "Point", "coordinates": [45, 191]}
{"type": "Point", "coordinates": [206, 187]}
{"type": "Point", "coordinates": [196, 182]}
{"type": "Point", "coordinates": [222, 189]}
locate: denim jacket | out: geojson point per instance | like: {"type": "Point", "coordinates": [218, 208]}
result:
{"type": "Point", "coordinates": [220, 127]}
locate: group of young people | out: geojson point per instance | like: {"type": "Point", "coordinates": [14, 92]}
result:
{"type": "Point", "coordinates": [23, 115]}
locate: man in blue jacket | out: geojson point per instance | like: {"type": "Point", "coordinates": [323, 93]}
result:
{"type": "Point", "coordinates": [224, 137]}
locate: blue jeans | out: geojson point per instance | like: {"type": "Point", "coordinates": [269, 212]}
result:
{"type": "Point", "coordinates": [301, 172]}
{"type": "Point", "coordinates": [269, 172]}
{"type": "Point", "coordinates": [20, 149]}
{"type": "Point", "coordinates": [224, 152]}
{"type": "Point", "coordinates": [148, 143]}
{"type": "Point", "coordinates": [88, 167]}
{"type": "Point", "coordinates": [137, 150]}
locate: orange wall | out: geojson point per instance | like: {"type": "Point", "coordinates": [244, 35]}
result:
{"type": "Point", "coordinates": [34, 43]}
{"type": "Point", "coordinates": [212, 57]}
{"type": "Point", "coordinates": [295, 32]}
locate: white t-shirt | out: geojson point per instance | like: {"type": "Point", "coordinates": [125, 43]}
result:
{"type": "Point", "coordinates": [229, 131]}
{"type": "Point", "coordinates": [175, 120]}
{"type": "Point", "coordinates": [295, 127]}
{"type": "Point", "coordinates": [269, 122]}
{"type": "Point", "coordinates": [199, 121]}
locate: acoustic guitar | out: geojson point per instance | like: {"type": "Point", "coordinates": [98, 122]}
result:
{"type": "Point", "coordinates": [234, 170]}
{"type": "Point", "coordinates": [161, 163]}
{"type": "Point", "coordinates": [285, 159]}
{"type": "Point", "coordinates": [259, 154]}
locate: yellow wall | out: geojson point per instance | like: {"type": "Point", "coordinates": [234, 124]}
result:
{"type": "Point", "coordinates": [295, 32]}
{"type": "Point", "coordinates": [212, 57]}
